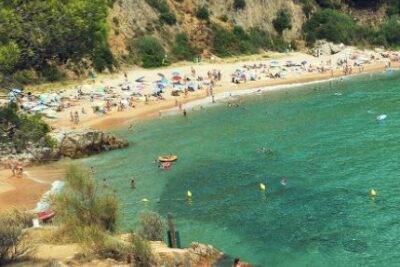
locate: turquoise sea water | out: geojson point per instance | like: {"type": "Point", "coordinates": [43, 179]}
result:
{"type": "Point", "coordinates": [328, 146]}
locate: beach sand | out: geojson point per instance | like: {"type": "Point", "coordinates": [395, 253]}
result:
{"type": "Point", "coordinates": [26, 191]}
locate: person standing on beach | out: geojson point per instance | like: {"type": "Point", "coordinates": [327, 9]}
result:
{"type": "Point", "coordinates": [71, 115]}
{"type": "Point", "coordinates": [184, 113]}
{"type": "Point", "coordinates": [76, 119]}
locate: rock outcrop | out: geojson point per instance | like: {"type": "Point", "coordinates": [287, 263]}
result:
{"type": "Point", "coordinates": [86, 142]}
{"type": "Point", "coordinates": [68, 144]}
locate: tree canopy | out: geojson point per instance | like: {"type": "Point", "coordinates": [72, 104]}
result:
{"type": "Point", "coordinates": [34, 32]}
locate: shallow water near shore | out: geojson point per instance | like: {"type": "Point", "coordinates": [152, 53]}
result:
{"type": "Point", "coordinates": [325, 141]}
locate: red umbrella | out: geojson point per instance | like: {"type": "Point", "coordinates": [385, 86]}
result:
{"type": "Point", "coordinates": [177, 78]}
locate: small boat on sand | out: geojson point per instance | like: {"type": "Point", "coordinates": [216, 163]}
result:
{"type": "Point", "coordinates": [169, 158]}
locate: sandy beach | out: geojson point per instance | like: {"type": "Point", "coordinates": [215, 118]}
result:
{"type": "Point", "coordinates": [28, 189]}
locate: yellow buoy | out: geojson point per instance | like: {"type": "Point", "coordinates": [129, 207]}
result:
{"type": "Point", "coordinates": [372, 193]}
{"type": "Point", "coordinates": [263, 186]}
{"type": "Point", "coordinates": [145, 200]}
{"type": "Point", "coordinates": [189, 194]}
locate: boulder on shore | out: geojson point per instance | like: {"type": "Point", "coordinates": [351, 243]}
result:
{"type": "Point", "coordinates": [70, 144]}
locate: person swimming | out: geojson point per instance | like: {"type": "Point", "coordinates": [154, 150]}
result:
{"type": "Point", "coordinates": [283, 181]}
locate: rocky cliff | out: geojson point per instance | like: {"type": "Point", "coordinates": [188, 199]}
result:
{"type": "Point", "coordinates": [131, 19]}
{"type": "Point", "coordinates": [70, 144]}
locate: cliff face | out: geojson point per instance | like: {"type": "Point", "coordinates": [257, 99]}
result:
{"type": "Point", "coordinates": [130, 19]}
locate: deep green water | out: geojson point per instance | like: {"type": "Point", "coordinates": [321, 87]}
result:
{"type": "Point", "coordinates": [329, 147]}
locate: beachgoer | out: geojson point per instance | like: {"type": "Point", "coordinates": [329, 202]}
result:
{"type": "Point", "coordinates": [283, 181]}
{"type": "Point", "coordinates": [76, 117]}
{"type": "Point", "coordinates": [105, 184]}
{"type": "Point", "coordinates": [13, 169]}
{"type": "Point", "coordinates": [184, 113]}
{"type": "Point", "coordinates": [83, 110]}
{"type": "Point", "coordinates": [71, 115]}
{"type": "Point", "coordinates": [236, 262]}
{"type": "Point", "coordinates": [133, 186]}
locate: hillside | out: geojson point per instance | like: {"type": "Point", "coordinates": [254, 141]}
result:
{"type": "Point", "coordinates": [46, 41]}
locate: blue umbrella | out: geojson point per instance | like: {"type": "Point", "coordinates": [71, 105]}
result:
{"type": "Point", "coordinates": [303, 62]}
{"type": "Point", "coordinates": [175, 73]}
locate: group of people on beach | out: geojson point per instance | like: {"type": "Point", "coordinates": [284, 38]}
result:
{"type": "Point", "coordinates": [16, 169]}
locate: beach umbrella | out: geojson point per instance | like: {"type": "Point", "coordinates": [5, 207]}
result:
{"type": "Point", "coordinates": [303, 62]}
{"type": "Point", "coordinates": [176, 73]}
{"type": "Point", "coordinates": [176, 78]}
{"type": "Point", "coordinates": [289, 63]}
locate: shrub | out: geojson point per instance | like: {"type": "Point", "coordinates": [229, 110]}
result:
{"type": "Point", "coordinates": [332, 4]}
{"type": "Point", "coordinates": [150, 52]}
{"type": "Point", "coordinates": [390, 31]}
{"type": "Point", "coordinates": [239, 4]}
{"type": "Point", "coordinates": [282, 21]}
{"type": "Point", "coordinates": [115, 20]}
{"type": "Point", "coordinates": [223, 18]}
{"type": "Point", "coordinates": [9, 56]}
{"type": "Point", "coordinates": [12, 238]}
{"type": "Point", "coordinates": [308, 7]}
{"type": "Point", "coordinates": [25, 77]}
{"type": "Point", "coordinates": [52, 73]}
{"type": "Point", "coordinates": [103, 58]}
{"type": "Point", "coordinates": [21, 129]}
{"type": "Point", "coordinates": [168, 17]}
{"type": "Point", "coordinates": [202, 13]}
{"type": "Point", "coordinates": [94, 241]}
{"type": "Point", "coordinates": [151, 226]}
{"type": "Point", "coordinates": [81, 204]}
{"type": "Point", "coordinates": [238, 41]}
{"type": "Point", "coordinates": [331, 25]}
{"type": "Point", "coordinates": [182, 49]}
{"type": "Point", "coordinates": [142, 253]}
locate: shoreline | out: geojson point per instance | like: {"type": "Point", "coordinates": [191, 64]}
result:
{"type": "Point", "coordinates": [26, 192]}
{"type": "Point", "coordinates": [115, 120]}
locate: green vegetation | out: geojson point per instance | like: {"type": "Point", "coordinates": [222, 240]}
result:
{"type": "Point", "coordinates": [81, 203]}
{"type": "Point", "coordinates": [151, 226]}
{"type": "Point", "coordinates": [202, 13]}
{"type": "Point", "coordinates": [34, 33]}
{"type": "Point", "coordinates": [20, 129]}
{"type": "Point", "coordinates": [88, 215]}
{"type": "Point", "coordinates": [283, 21]}
{"type": "Point", "coordinates": [182, 49]}
{"type": "Point", "coordinates": [166, 15]}
{"type": "Point", "coordinates": [309, 7]}
{"type": "Point", "coordinates": [13, 243]}
{"type": "Point", "coordinates": [331, 25]}
{"type": "Point", "coordinates": [150, 51]}
{"type": "Point", "coordinates": [239, 4]}
{"type": "Point", "coordinates": [338, 27]}
{"type": "Point", "coordinates": [238, 41]}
